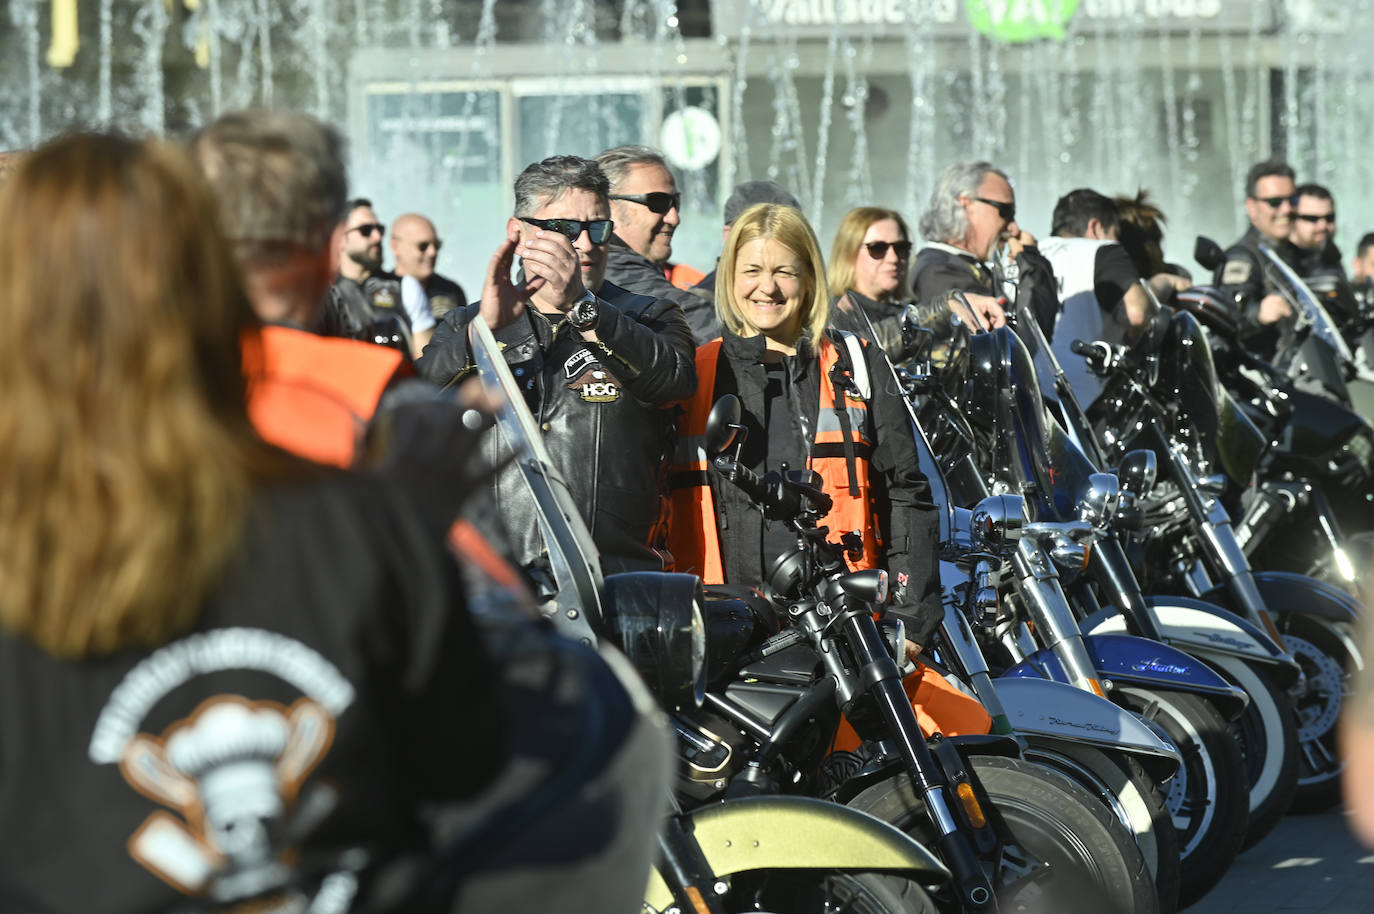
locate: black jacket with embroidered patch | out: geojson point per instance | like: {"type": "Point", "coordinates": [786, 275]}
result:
{"type": "Point", "coordinates": [1242, 279]}
{"type": "Point", "coordinates": [602, 409]}
{"type": "Point", "coordinates": [334, 671]}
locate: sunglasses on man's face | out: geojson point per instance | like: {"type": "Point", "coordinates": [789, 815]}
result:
{"type": "Point", "coordinates": [1005, 209]}
{"type": "Point", "coordinates": [369, 229]}
{"type": "Point", "coordinates": [1329, 218]}
{"type": "Point", "coordinates": [424, 246]}
{"type": "Point", "coordinates": [878, 249]}
{"type": "Point", "coordinates": [1275, 202]}
{"type": "Point", "coordinates": [658, 202]}
{"type": "Point", "coordinates": [598, 230]}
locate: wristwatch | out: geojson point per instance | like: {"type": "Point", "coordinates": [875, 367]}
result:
{"type": "Point", "coordinates": [585, 312]}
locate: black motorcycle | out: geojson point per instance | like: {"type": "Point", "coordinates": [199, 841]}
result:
{"type": "Point", "coordinates": [1012, 834]}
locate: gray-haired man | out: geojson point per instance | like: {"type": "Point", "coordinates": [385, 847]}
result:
{"type": "Point", "coordinates": [646, 205]}
{"type": "Point", "coordinates": [972, 212]}
{"type": "Point", "coordinates": [598, 363]}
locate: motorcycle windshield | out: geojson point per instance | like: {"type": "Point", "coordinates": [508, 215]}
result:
{"type": "Point", "coordinates": [1313, 313]}
{"type": "Point", "coordinates": [573, 561]}
{"type": "Point", "coordinates": [1226, 436]}
{"type": "Point", "coordinates": [1031, 448]}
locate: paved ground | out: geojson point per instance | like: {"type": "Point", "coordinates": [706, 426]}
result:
{"type": "Point", "coordinates": [1307, 865]}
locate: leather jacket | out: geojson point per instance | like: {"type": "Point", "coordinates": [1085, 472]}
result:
{"type": "Point", "coordinates": [1242, 279]}
{"type": "Point", "coordinates": [602, 408]}
{"type": "Point", "coordinates": [631, 270]}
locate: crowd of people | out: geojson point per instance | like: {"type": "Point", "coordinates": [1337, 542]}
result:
{"type": "Point", "coordinates": [238, 539]}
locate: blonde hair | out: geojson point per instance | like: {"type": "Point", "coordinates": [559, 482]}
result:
{"type": "Point", "coordinates": [787, 226]}
{"type": "Point", "coordinates": [849, 237]}
{"type": "Point", "coordinates": [125, 449]}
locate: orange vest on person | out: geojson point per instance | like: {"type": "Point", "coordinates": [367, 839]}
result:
{"type": "Point", "coordinates": [683, 276]}
{"type": "Point", "coordinates": [314, 395]}
{"type": "Point", "coordinates": [840, 454]}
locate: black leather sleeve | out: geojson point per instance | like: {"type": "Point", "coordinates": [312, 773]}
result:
{"type": "Point", "coordinates": [650, 351]}
{"type": "Point", "coordinates": [447, 359]}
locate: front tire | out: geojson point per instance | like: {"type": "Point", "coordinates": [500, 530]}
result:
{"type": "Point", "coordinates": [820, 892]}
{"type": "Point", "coordinates": [1093, 865]}
{"type": "Point", "coordinates": [1118, 781]}
{"type": "Point", "coordinates": [1328, 661]}
{"type": "Point", "coordinates": [1208, 803]}
{"type": "Point", "coordinates": [1268, 735]}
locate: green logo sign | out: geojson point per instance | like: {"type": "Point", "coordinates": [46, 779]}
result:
{"type": "Point", "coordinates": [1019, 21]}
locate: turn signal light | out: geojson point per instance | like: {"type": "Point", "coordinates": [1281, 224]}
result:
{"type": "Point", "coordinates": [971, 807]}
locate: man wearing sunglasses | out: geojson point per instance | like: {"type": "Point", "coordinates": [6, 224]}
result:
{"type": "Point", "coordinates": [1099, 289]}
{"type": "Point", "coordinates": [645, 205]}
{"type": "Point", "coordinates": [971, 215]}
{"type": "Point", "coordinates": [1269, 202]}
{"type": "Point", "coordinates": [365, 301]}
{"type": "Point", "coordinates": [1318, 260]}
{"type": "Point", "coordinates": [415, 247]}
{"type": "Point", "coordinates": [599, 365]}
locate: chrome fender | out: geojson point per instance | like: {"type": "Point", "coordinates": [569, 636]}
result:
{"type": "Point", "coordinates": [796, 833]}
{"type": "Point", "coordinates": [1059, 711]}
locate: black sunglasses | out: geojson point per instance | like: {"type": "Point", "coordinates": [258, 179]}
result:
{"type": "Point", "coordinates": [424, 246]}
{"type": "Point", "coordinates": [369, 228]}
{"type": "Point", "coordinates": [1321, 217]}
{"type": "Point", "coordinates": [598, 230]}
{"type": "Point", "coordinates": [878, 249]}
{"type": "Point", "coordinates": [658, 202]}
{"type": "Point", "coordinates": [1004, 209]}
{"type": "Point", "coordinates": [1276, 202]}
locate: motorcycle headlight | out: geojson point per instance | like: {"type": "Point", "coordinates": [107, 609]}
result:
{"type": "Point", "coordinates": [1098, 501]}
{"type": "Point", "coordinates": [996, 522]}
{"type": "Point", "coordinates": [656, 619]}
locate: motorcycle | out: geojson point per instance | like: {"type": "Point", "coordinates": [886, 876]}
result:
{"type": "Point", "coordinates": [1103, 748]}
{"type": "Point", "coordinates": [759, 853]}
{"type": "Point", "coordinates": [1011, 833]}
{"type": "Point", "coordinates": [1038, 633]}
{"type": "Point", "coordinates": [1167, 397]}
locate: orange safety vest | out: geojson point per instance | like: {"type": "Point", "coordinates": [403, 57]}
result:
{"type": "Point", "coordinates": [840, 454]}
{"type": "Point", "coordinates": [683, 276]}
{"type": "Point", "coordinates": [313, 395]}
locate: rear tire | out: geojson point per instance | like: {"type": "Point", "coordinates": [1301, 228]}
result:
{"type": "Point", "coordinates": [1134, 798]}
{"type": "Point", "coordinates": [1093, 865]}
{"type": "Point", "coordinates": [818, 892]}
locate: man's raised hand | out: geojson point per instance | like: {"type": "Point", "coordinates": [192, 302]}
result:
{"type": "Point", "coordinates": [502, 300]}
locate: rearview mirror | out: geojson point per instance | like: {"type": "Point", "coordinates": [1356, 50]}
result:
{"type": "Point", "coordinates": [1208, 253]}
{"type": "Point", "coordinates": [1138, 471]}
{"type": "Point", "coordinates": [722, 425]}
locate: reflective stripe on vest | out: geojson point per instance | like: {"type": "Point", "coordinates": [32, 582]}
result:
{"type": "Point", "coordinates": [694, 537]}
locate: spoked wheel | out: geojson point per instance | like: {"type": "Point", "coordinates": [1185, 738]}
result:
{"type": "Point", "coordinates": [819, 892]}
{"type": "Point", "coordinates": [1119, 783]}
{"type": "Point", "coordinates": [1268, 736]}
{"type": "Point", "coordinates": [1208, 803]}
{"type": "Point", "coordinates": [1328, 661]}
{"type": "Point", "coordinates": [1065, 852]}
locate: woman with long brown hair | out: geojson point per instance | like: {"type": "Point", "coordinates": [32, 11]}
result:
{"type": "Point", "coordinates": [220, 667]}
